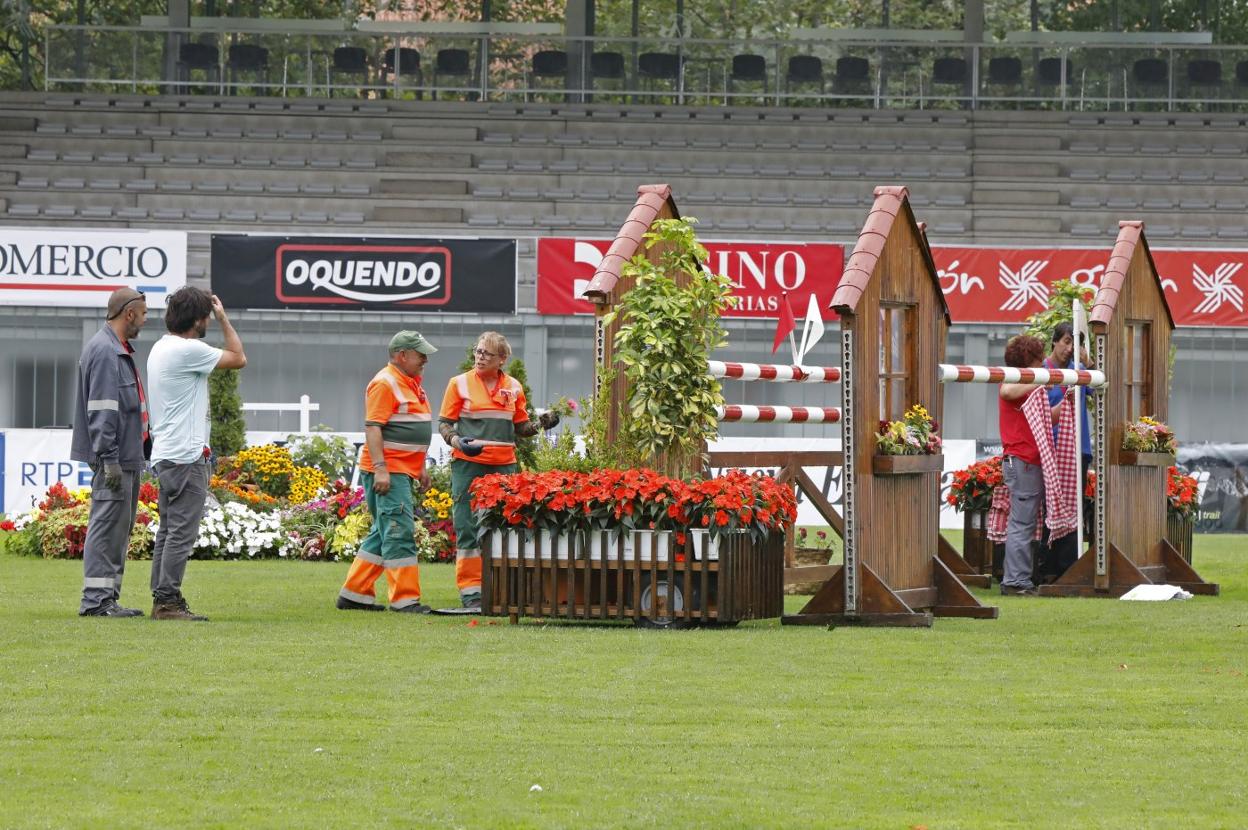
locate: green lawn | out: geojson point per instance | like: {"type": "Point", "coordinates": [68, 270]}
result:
{"type": "Point", "coordinates": [283, 712]}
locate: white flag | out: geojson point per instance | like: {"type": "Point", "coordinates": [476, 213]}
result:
{"type": "Point", "coordinates": [812, 330]}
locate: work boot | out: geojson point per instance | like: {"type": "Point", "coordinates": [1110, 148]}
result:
{"type": "Point", "coordinates": [175, 610]}
{"type": "Point", "coordinates": [417, 608]}
{"type": "Point", "coordinates": [345, 604]}
{"type": "Point", "coordinates": [111, 609]}
{"type": "Point", "coordinates": [473, 606]}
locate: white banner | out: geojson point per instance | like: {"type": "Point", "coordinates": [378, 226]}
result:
{"type": "Point", "coordinates": [80, 267]}
{"type": "Point", "coordinates": [33, 460]}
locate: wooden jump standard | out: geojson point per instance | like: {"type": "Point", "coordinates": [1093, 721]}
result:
{"type": "Point", "coordinates": [893, 327]}
{"type": "Point", "coordinates": [1131, 328]}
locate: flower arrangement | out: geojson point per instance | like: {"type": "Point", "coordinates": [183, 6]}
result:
{"type": "Point", "coordinates": [915, 433]}
{"type": "Point", "coordinates": [1149, 435]}
{"type": "Point", "coordinates": [569, 502]}
{"type": "Point", "coordinates": [434, 514]}
{"type": "Point", "coordinates": [1182, 493]}
{"type": "Point", "coordinates": [971, 490]}
{"type": "Point", "coordinates": [1089, 489]}
{"type": "Point", "coordinates": [234, 531]}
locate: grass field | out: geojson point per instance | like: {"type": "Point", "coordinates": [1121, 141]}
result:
{"type": "Point", "coordinates": [283, 712]}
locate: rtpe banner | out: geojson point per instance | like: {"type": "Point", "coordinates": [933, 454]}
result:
{"type": "Point", "coordinates": [80, 267]}
{"type": "Point", "coordinates": [326, 273]}
{"type": "Point", "coordinates": [1005, 285]}
{"type": "Point", "coordinates": [759, 272]}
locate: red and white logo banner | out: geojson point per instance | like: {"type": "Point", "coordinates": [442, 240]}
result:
{"type": "Point", "coordinates": [1005, 285]}
{"type": "Point", "coordinates": [760, 273]}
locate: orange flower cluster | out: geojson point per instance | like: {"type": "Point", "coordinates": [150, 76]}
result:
{"type": "Point", "coordinates": [633, 499]}
{"type": "Point", "coordinates": [243, 494]}
{"type": "Point", "coordinates": [1181, 492]}
{"type": "Point", "coordinates": [972, 488]}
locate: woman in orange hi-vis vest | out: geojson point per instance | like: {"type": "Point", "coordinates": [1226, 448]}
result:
{"type": "Point", "coordinates": [483, 413]}
{"type": "Point", "coordinates": [398, 425]}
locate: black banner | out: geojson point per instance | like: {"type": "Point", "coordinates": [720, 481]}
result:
{"type": "Point", "coordinates": [325, 273]}
{"type": "Point", "coordinates": [1222, 470]}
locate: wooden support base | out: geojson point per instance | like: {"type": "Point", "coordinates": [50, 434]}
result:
{"type": "Point", "coordinates": [949, 556]}
{"type": "Point", "coordinates": [879, 605]}
{"type": "Point", "coordinates": [952, 597]}
{"type": "Point", "coordinates": [1180, 572]}
{"type": "Point", "coordinates": [1080, 579]}
{"type": "Point", "coordinates": [1123, 575]}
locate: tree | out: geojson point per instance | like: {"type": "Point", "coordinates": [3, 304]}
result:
{"type": "Point", "coordinates": [225, 412]}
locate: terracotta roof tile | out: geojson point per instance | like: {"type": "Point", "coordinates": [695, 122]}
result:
{"type": "Point", "coordinates": [650, 200]}
{"type": "Point", "coordinates": [1130, 234]}
{"type": "Point", "coordinates": [889, 204]}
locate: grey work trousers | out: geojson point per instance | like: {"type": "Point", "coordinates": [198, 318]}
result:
{"type": "Point", "coordinates": [1026, 483]}
{"type": "Point", "coordinates": [108, 538]}
{"type": "Point", "coordinates": [183, 491]}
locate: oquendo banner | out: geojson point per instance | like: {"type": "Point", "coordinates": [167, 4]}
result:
{"type": "Point", "coordinates": [365, 273]}
{"type": "Point", "coordinates": [81, 267]}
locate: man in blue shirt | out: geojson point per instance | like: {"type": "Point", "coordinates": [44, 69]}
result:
{"type": "Point", "coordinates": [1061, 356]}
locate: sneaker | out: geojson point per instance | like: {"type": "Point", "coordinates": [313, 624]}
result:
{"type": "Point", "coordinates": [418, 608]}
{"type": "Point", "coordinates": [111, 609]}
{"type": "Point", "coordinates": [1016, 591]}
{"type": "Point", "coordinates": [345, 604]}
{"type": "Point", "coordinates": [175, 610]}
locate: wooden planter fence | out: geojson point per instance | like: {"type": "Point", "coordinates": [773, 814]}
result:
{"type": "Point", "coordinates": [1179, 533]}
{"type": "Point", "coordinates": [642, 576]}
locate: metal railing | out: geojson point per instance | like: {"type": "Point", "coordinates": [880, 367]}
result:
{"type": "Point", "coordinates": [806, 71]}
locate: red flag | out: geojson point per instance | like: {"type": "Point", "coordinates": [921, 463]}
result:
{"type": "Point", "coordinates": [786, 324]}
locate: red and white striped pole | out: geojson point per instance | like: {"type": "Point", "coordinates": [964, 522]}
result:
{"type": "Point", "coordinates": [957, 373]}
{"type": "Point", "coordinates": [746, 414]}
{"type": "Point", "coordinates": [777, 372]}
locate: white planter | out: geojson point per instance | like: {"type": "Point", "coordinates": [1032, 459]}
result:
{"type": "Point", "coordinates": [706, 546]}
{"type": "Point", "coordinates": [553, 545]}
{"type": "Point", "coordinates": [640, 545]}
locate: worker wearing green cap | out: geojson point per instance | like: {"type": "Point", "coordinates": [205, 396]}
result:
{"type": "Point", "coordinates": [398, 425]}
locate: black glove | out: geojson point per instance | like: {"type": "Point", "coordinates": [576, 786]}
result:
{"type": "Point", "coordinates": [112, 476]}
{"type": "Point", "coordinates": [548, 420]}
{"type": "Point", "coordinates": [469, 447]}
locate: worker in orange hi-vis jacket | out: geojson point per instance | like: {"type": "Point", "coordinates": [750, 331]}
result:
{"type": "Point", "coordinates": [398, 426]}
{"type": "Point", "coordinates": [483, 413]}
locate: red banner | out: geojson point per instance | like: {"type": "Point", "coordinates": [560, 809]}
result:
{"type": "Point", "coordinates": [759, 272]}
{"type": "Point", "coordinates": [981, 285]}
{"type": "Point", "coordinates": [1005, 285]}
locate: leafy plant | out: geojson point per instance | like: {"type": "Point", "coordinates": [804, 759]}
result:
{"type": "Point", "coordinates": [1149, 435]}
{"type": "Point", "coordinates": [972, 487]}
{"type": "Point", "coordinates": [333, 455]}
{"type": "Point", "coordinates": [225, 411]}
{"type": "Point", "coordinates": [1062, 295]}
{"type": "Point", "coordinates": [667, 333]}
{"type": "Point", "coordinates": [915, 433]}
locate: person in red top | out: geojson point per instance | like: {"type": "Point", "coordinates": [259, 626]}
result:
{"type": "Point", "coordinates": [483, 413]}
{"type": "Point", "coordinates": [398, 425]}
{"type": "Point", "coordinates": [1020, 466]}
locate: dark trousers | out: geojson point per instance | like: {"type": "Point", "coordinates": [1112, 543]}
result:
{"type": "Point", "coordinates": [108, 538]}
{"type": "Point", "coordinates": [1055, 559]}
{"type": "Point", "coordinates": [183, 491]}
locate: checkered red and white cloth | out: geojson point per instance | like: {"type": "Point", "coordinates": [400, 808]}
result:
{"type": "Point", "coordinates": [1061, 470]}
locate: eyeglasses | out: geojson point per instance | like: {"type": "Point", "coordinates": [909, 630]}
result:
{"type": "Point", "coordinates": [483, 353]}
{"type": "Point", "coordinates": [142, 297]}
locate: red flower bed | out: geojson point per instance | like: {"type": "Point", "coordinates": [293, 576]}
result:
{"type": "Point", "coordinates": [972, 488]}
{"type": "Point", "coordinates": [1181, 493]}
{"type": "Point", "coordinates": [565, 502]}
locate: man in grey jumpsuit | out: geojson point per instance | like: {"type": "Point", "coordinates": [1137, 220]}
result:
{"type": "Point", "coordinates": [111, 435]}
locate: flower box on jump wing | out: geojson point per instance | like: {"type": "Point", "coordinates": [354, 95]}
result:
{"type": "Point", "coordinates": [633, 545]}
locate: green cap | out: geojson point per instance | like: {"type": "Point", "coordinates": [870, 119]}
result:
{"type": "Point", "coordinates": [411, 341]}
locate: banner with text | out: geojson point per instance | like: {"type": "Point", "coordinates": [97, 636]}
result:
{"type": "Point", "coordinates": [376, 274]}
{"type": "Point", "coordinates": [80, 267]}
{"type": "Point", "coordinates": [1005, 285]}
{"type": "Point", "coordinates": [760, 273]}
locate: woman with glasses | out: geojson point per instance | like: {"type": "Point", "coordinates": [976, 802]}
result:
{"type": "Point", "coordinates": [483, 413]}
